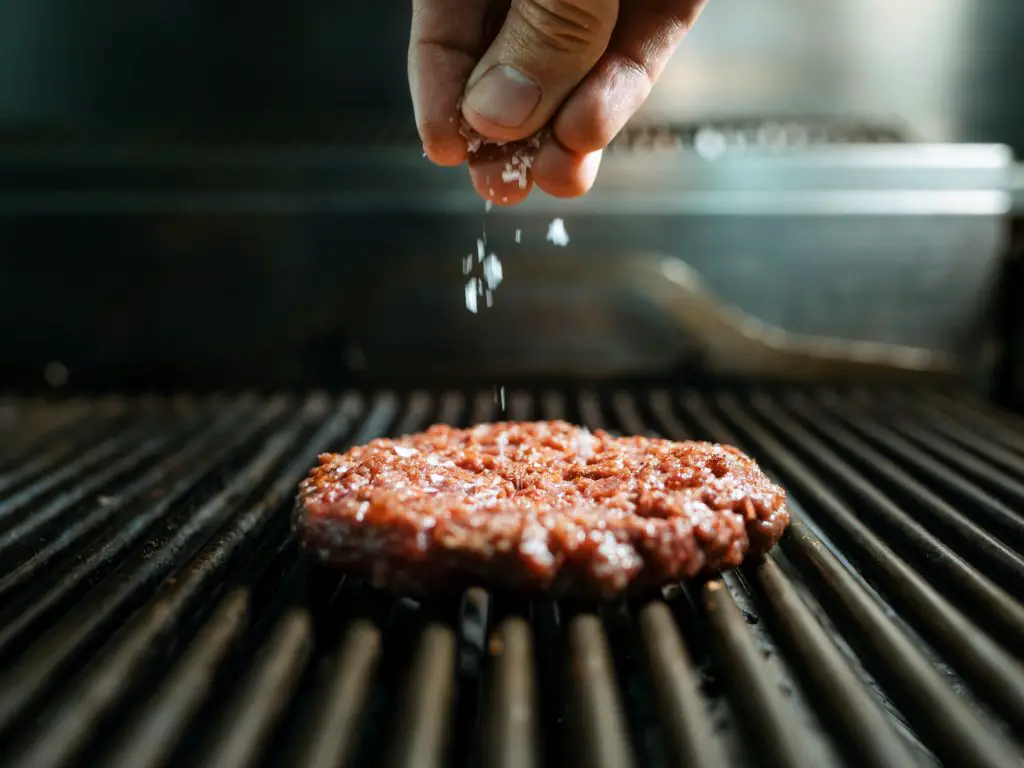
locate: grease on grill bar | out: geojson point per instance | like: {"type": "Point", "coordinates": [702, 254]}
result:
{"type": "Point", "coordinates": [154, 612]}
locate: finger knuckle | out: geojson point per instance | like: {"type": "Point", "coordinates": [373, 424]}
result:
{"type": "Point", "coordinates": [566, 26]}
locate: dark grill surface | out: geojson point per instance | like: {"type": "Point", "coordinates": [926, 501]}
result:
{"type": "Point", "coordinates": [153, 610]}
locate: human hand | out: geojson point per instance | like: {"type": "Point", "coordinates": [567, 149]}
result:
{"type": "Point", "coordinates": [504, 71]}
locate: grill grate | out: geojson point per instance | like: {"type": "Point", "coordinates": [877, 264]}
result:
{"type": "Point", "coordinates": [154, 611]}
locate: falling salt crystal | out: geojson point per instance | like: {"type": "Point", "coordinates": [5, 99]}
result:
{"type": "Point", "coordinates": [557, 233]}
{"type": "Point", "coordinates": [503, 398]}
{"type": "Point", "coordinates": [519, 235]}
{"type": "Point", "coordinates": [467, 264]}
{"type": "Point", "coordinates": [488, 205]}
{"type": "Point", "coordinates": [489, 298]}
{"type": "Point", "coordinates": [493, 274]}
{"type": "Point", "coordinates": [471, 295]}
{"type": "Point", "coordinates": [480, 287]}
{"type": "Point", "coordinates": [480, 252]}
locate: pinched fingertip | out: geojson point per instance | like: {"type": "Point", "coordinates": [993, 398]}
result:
{"type": "Point", "coordinates": [565, 174]}
{"type": "Point", "coordinates": [491, 183]}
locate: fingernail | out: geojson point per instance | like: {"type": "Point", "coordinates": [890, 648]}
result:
{"type": "Point", "coordinates": [505, 96]}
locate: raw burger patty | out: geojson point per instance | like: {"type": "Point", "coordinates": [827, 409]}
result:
{"type": "Point", "coordinates": [539, 506]}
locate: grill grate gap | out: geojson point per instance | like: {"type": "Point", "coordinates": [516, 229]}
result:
{"type": "Point", "coordinates": [400, 624]}
{"type": "Point", "coordinates": [634, 685]}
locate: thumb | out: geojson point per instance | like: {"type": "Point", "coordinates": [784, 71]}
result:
{"type": "Point", "coordinates": [544, 50]}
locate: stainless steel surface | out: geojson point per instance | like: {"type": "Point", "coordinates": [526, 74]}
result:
{"type": "Point", "coordinates": [941, 67]}
{"type": "Point", "coordinates": [895, 245]}
{"type": "Point", "coordinates": [1017, 186]}
{"type": "Point", "coordinates": [721, 340]}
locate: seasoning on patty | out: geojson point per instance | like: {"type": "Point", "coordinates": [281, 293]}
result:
{"type": "Point", "coordinates": [538, 506]}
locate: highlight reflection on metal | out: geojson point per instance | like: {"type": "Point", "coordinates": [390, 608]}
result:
{"type": "Point", "coordinates": [738, 343]}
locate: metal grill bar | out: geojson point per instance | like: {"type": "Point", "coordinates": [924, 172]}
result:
{"type": "Point", "coordinates": [937, 617]}
{"type": "Point", "coordinates": [850, 706]}
{"type": "Point", "coordinates": [598, 721]}
{"type": "Point", "coordinates": [476, 618]}
{"type": "Point", "coordinates": [270, 685]}
{"type": "Point", "coordinates": [676, 683]}
{"type": "Point", "coordinates": [332, 736]}
{"type": "Point", "coordinates": [103, 687]}
{"type": "Point", "coordinates": [423, 724]}
{"type": "Point", "coordinates": [30, 524]}
{"type": "Point", "coordinates": [452, 406]}
{"type": "Point", "coordinates": [510, 727]}
{"type": "Point", "coordinates": [990, 510]}
{"type": "Point", "coordinates": [761, 701]}
{"type": "Point", "coordinates": [195, 604]}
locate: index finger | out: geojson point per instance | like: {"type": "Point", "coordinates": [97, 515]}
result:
{"type": "Point", "coordinates": [648, 33]}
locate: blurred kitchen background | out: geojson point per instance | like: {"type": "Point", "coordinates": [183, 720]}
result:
{"type": "Point", "coordinates": [204, 194]}
{"type": "Point", "coordinates": [944, 68]}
